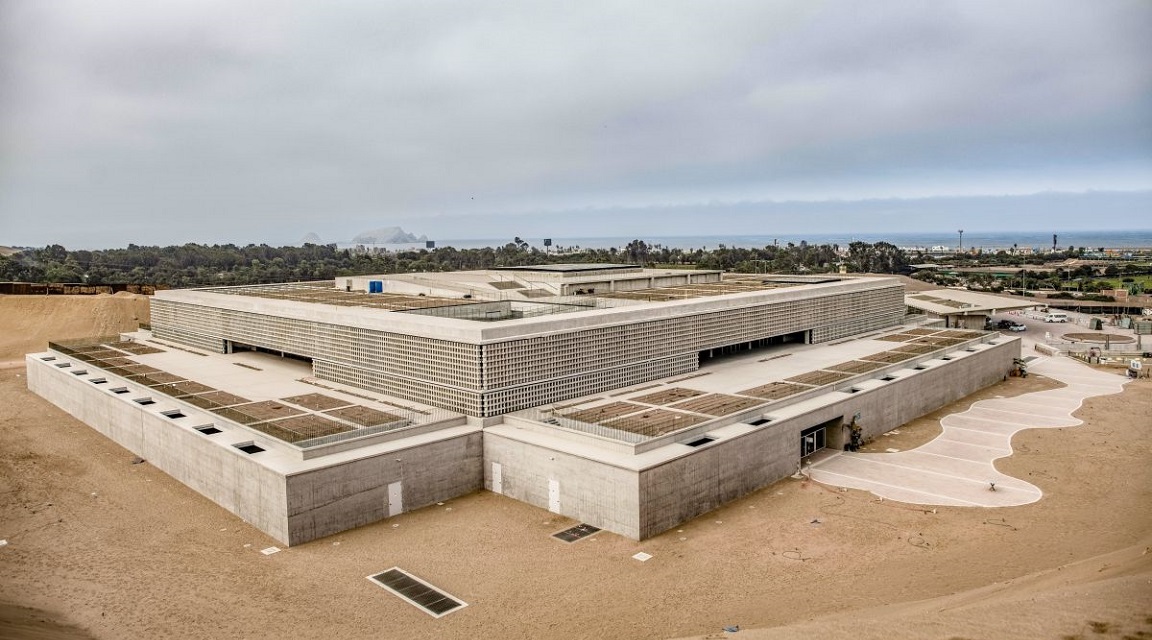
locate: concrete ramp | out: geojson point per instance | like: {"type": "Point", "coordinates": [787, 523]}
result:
{"type": "Point", "coordinates": [956, 468]}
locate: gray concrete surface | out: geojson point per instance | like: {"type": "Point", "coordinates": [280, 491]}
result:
{"type": "Point", "coordinates": [956, 468]}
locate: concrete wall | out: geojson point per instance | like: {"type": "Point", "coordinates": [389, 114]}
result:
{"type": "Point", "coordinates": [341, 497]}
{"type": "Point", "coordinates": [714, 474]}
{"type": "Point", "coordinates": [223, 474]}
{"type": "Point", "coordinates": [589, 491]}
{"type": "Point", "coordinates": [686, 487]}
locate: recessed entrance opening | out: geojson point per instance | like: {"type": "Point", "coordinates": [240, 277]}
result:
{"type": "Point", "coordinates": [237, 347]}
{"type": "Point", "coordinates": [173, 414]}
{"type": "Point", "coordinates": [763, 344]}
{"type": "Point", "coordinates": [760, 421]}
{"type": "Point", "coordinates": [818, 437]}
{"type": "Point", "coordinates": [700, 441]}
{"type": "Point", "coordinates": [144, 401]}
{"type": "Point", "coordinates": [208, 430]}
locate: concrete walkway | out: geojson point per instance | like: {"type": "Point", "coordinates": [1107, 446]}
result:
{"type": "Point", "coordinates": [956, 468]}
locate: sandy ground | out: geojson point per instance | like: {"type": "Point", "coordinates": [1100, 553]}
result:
{"type": "Point", "coordinates": [27, 323]}
{"type": "Point", "coordinates": [121, 550]}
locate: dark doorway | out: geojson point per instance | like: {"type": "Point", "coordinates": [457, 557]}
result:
{"type": "Point", "coordinates": [820, 436]}
{"type": "Point", "coordinates": [762, 344]}
{"type": "Point", "coordinates": [237, 347]}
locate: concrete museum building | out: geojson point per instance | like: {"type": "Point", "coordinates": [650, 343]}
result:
{"type": "Point", "coordinates": [630, 399]}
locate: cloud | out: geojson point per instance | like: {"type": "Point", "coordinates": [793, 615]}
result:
{"type": "Point", "coordinates": [120, 118]}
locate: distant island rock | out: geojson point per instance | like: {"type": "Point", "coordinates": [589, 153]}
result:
{"type": "Point", "coordinates": [387, 235]}
{"type": "Point", "coordinates": [311, 238]}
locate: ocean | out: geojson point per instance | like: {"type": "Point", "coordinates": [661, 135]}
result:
{"type": "Point", "coordinates": [987, 241]}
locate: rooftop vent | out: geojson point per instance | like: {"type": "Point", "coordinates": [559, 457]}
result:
{"type": "Point", "coordinates": [248, 447]}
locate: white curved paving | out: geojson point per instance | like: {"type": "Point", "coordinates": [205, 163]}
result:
{"type": "Point", "coordinates": [956, 468]}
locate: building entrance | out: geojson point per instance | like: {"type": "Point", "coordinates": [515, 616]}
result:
{"type": "Point", "coordinates": [763, 344]}
{"type": "Point", "coordinates": [812, 440]}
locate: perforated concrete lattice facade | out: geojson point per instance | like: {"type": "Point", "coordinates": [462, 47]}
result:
{"type": "Point", "coordinates": [629, 399]}
{"type": "Point", "coordinates": [483, 368]}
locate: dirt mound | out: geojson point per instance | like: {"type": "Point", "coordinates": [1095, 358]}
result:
{"type": "Point", "coordinates": [27, 323]}
{"type": "Point", "coordinates": [1105, 594]}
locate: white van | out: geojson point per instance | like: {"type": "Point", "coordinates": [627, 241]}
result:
{"type": "Point", "coordinates": [1056, 316]}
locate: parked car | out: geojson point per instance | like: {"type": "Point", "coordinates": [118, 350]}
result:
{"type": "Point", "coordinates": [1011, 325]}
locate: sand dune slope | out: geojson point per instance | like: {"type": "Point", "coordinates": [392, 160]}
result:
{"type": "Point", "coordinates": [28, 322]}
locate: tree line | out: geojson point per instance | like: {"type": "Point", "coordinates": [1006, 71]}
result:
{"type": "Point", "coordinates": [192, 265]}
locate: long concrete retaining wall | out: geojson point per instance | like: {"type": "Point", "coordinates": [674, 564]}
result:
{"type": "Point", "coordinates": [623, 494]}
{"type": "Point", "coordinates": [291, 506]}
{"type": "Point", "coordinates": [223, 474]}
{"type": "Point", "coordinates": [729, 468]}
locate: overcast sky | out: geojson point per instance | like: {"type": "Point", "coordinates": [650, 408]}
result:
{"type": "Point", "coordinates": [205, 121]}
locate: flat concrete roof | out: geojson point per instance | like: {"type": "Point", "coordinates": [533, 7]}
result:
{"type": "Point", "coordinates": [325, 293]}
{"type": "Point", "coordinates": [574, 267]}
{"type": "Point", "coordinates": [469, 331]}
{"type": "Point", "coordinates": [767, 378]}
{"type": "Point", "coordinates": [955, 302]}
{"type": "Point", "coordinates": [267, 395]}
{"type": "Point", "coordinates": [271, 399]}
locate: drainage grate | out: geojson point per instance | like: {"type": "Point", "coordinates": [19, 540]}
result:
{"type": "Point", "coordinates": [578, 532]}
{"type": "Point", "coordinates": [420, 594]}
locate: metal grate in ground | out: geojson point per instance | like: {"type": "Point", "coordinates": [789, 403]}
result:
{"type": "Point", "coordinates": [578, 532]}
{"type": "Point", "coordinates": [420, 594]}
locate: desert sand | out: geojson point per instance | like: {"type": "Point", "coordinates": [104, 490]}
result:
{"type": "Point", "coordinates": [120, 550]}
{"type": "Point", "coordinates": [27, 323]}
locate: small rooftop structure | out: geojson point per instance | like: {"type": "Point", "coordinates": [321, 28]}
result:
{"type": "Point", "coordinates": [963, 309]}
